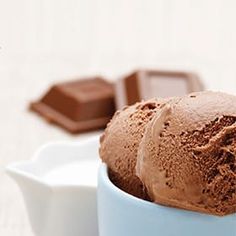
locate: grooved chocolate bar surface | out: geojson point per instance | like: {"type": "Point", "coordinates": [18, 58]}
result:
{"type": "Point", "coordinates": [78, 106]}
{"type": "Point", "coordinates": [146, 84]}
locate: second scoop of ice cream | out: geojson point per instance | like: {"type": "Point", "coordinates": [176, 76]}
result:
{"type": "Point", "coordinates": [186, 158]}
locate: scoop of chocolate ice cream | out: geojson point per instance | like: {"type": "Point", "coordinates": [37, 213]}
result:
{"type": "Point", "coordinates": [120, 142]}
{"type": "Point", "coordinates": [186, 158]}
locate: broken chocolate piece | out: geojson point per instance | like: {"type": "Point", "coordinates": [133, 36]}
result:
{"type": "Point", "coordinates": [78, 106]}
{"type": "Point", "coordinates": [146, 84]}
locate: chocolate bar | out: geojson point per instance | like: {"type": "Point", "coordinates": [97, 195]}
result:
{"type": "Point", "coordinates": [78, 106]}
{"type": "Point", "coordinates": [146, 84]}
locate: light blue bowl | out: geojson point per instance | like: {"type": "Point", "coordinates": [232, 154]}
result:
{"type": "Point", "coordinates": [121, 214]}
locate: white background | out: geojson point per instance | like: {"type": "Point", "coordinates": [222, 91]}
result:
{"type": "Point", "coordinates": [56, 38]}
{"type": "Point", "coordinates": [43, 41]}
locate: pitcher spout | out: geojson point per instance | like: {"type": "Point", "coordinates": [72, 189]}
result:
{"type": "Point", "coordinates": [36, 195]}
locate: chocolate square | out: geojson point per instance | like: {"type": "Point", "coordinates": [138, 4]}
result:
{"type": "Point", "coordinates": [146, 84]}
{"type": "Point", "coordinates": [79, 105]}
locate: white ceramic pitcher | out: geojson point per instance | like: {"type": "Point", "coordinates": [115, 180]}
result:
{"type": "Point", "coordinates": [59, 188]}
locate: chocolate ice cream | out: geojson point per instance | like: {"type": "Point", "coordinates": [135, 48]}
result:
{"type": "Point", "coordinates": [120, 142]}
{"type": "Point", "coordinates": [178, 152]}
{"type": "Point", "coordinates": [186, 157]}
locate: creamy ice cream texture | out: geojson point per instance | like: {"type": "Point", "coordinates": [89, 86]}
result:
{"type": "Point", "coordinates": [120, 142]}
{"type": "Point", "coordinates": [182, 156]}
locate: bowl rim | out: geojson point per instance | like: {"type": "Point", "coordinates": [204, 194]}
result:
{"type": "Point", "coordinates": [144, 204]}
{"type": "Point", "coordinates": [103, 173]}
